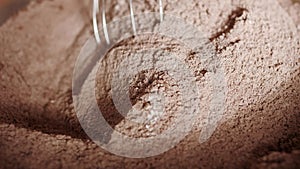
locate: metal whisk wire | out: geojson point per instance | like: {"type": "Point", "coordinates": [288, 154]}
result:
{"type": "Point", "coordinates": [104, 24]}
{"type": "Point", "coordinates": [132, 17]}
{"type": "Point", "coordinates": [95, 21]}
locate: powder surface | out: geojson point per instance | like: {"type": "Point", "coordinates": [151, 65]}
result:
{"type": "Point", "coordinates": [257, 43]}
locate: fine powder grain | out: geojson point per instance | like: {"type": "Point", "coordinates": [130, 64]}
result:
{"type": "Point", "coordinates": [257, 43]}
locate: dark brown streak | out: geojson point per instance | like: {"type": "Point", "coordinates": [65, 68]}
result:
{"type": "Point", "coordinates": [229, 23]}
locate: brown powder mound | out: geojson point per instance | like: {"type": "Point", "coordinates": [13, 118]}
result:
{"type": "Point", "coordinates": [38, 53]}
{"type": "Point", "coordinates": [258, 47]}
{"type": "Point", "coordinates": [280, 160]}
{"type": "Point", "coordinates": [293, 8]}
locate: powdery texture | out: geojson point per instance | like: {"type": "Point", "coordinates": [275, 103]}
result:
{"type": "Point", "coordinates": [258, 47]}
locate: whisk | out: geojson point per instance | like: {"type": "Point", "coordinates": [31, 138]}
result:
{"type": "Point", "coordinates": [104, 23]}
